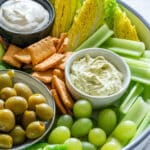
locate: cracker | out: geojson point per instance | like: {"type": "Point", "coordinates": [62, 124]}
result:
{"type": "Point", "coordinates": [8, 57]}
{"type": "Point", "coordinates": [58, 101]}
{"type": "Point", "coordinates": [49, 62]}
{"type": "Point", "coordinates": [61, 40]}
{"type": "Point", "coordinates": [61, 65]}
{"type": "Point", "coordinates": [64, 45]}
{"type": "Point", "coordinates": [63, 92]}
{"type": "Point", "coordinates": [23, 56]}
{"type": "Point", "coordinates": [55, 41]}
{"type": "Point", "coordinates": [41, 50]}
{"type": "Point", "coordinates": [45, 77]}
{"type": "Point", "coordinates": [59, 73]}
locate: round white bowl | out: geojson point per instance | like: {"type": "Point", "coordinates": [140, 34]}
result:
{"type": "Point", "coordinates": [117, 61]}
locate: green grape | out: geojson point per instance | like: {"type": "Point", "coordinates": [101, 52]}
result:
{"type": "Point", "coordinates": [107, 120]}
{"type": "Point", "coordinates": [97, 136]}
{"type": "Point", "coordinates": [125, 131]}
{"type": "Point", "coordinates": [59, 135]}
{"type": "Point", "coordinates": [111, 146]}
{"type": "Point", "coordinates": [81, 127]}
{"type": "Point", "coordinates": [65, 120]}
{"type": "Point", "coordinates": [82, 108]}
{"type": "Point", "coordinates": [73, 144]}
{"type": "Point", "coordinates": [88, 146]}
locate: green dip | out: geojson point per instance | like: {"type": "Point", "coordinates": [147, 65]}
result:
{"type": "Point", "coordinates": [96, 76]}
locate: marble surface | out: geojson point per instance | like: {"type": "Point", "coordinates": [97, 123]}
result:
{"type": "Point", "coordinates": [142, 6]}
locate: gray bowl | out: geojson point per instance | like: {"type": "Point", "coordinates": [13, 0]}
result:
{"type": "Point", "coordinates": [27, 38]}
{"type": "Point", "coordinates": [37, 87]}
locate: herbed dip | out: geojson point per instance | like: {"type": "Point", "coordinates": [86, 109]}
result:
{"type": "Point", "coordinates": [96, 76]}
{"type": "Point", "coordinates": [23, 15]}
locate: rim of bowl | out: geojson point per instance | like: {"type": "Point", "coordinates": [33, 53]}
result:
{"type": "Point", "coordinates": [51, 20]}
{"type": "Point", "coordinates": [81, 52]}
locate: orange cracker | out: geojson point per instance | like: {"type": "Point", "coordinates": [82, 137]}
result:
{"type": "Point", "coordinates": [58, 101]}
{"type": "Point", "coordinates": [62, 91]}
{"type": "Point", "coordinates": [55, 41]}
{"type": "Point", "coordinates": [64, 45]}
{"type": "Point", "coordinates": [61, 40]}
{"type": "Point", "coordinates": [23, 56]}
{"type": "Point", "coordinates": [61, 65]}
{"type": "Point", "coordinates": [45, 76]}
{"type": "Point", "coordinates": [41, 50]}
{"type": "Point", "coordinates": [59, 73]}
{"type": "Point", "coordinates": [8, 57]}
{"type": "Point", "coordinates": [49, 62]}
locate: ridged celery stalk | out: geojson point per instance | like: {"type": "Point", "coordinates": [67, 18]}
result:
{"type": "Point", "coordinates": [97, 38]}
{"type": "Point", "coordinates": [131, 97]}
{"type": "Point", "coordinates": [125, 47]}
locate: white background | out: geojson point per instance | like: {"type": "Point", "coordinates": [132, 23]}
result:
{"type": "Point", "coordinates": [141, 6]}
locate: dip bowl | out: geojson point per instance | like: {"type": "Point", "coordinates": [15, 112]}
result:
{"type": "Point", "coordinates": [37, 87]}
{"type": "Point", "coordinates": [117, 61]}
{"type": "Point", "coordinates": [24, 39]}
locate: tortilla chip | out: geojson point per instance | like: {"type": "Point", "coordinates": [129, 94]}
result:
{"type": "Point", "coordinates": [23, 56]}
{"type": "Point", "coordinates": [45, 76]}
{"type": "Point", "coordinates": [41, 50]}
{"type": "Point", "coordinates": [64, 45]}
{"type": "Point", "coordinates": [8, 57]}
{"type": "Point", "coordinates": [49, 62]}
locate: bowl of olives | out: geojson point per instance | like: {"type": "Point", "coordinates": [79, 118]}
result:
{"type": "Point", "coordinates": [27, 110]}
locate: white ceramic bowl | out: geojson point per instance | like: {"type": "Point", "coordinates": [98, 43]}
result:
{"type": "Point", "coordinates": [117, 61]}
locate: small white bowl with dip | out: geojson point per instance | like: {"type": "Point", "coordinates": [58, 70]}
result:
{"type": "Point", "coordinates": [97, 75]}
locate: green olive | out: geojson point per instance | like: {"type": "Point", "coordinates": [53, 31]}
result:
{"type": "Point", "coordinates": [5, 81]}
{"type": "Point", "coordinates": [16, 104]}
{"type": "Point", "coordinates": [1, 104]}
{"type": "Point", "coordinates": [44, 111]}
{"type": "Point", "coordinates": [6, 141]}
{"type": "Point", "coordinates": [23, 90]}
{"type": "Point", "coordinates": [28, 117]}
{"type": "Point", "coordinates": [11, 73]}
{"type": "Point", "coordinates": [35, 129]}
{"type": "Point", "coordinates": [7, 92]}
{"type": "Point", "coordinates": [18, 135]}
{"type": "Point", "coordinates": [35, 99]}
{"type": "Point", "coordinates": [7, 120]}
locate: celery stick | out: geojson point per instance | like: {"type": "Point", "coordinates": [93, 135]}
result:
{"type": "Point", "coordinates": [146, 54]}
{"type": "Point", "coordinates": [146, 93]}
{"type": "Point", "coordinates": [98, 38]}
{"type": "Point", "coordinates": [137, 112]}
{"type": "Point", "coordinates": [143, 125]}
{"type": "Point", "coordinates": [125, 47]}
{"type": "Point", "coordinates": [131, 97]}
{"type": "Point", "coordinates": [147, 60]}
{"type": "Point", "coordinates": [2, 51]}
{"type": "Point", "coordinates": [125, 52]}
{"type": "Point", "coordinates": [126, 44]}
{"type": "Point", "coordinates": [141, 75]}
